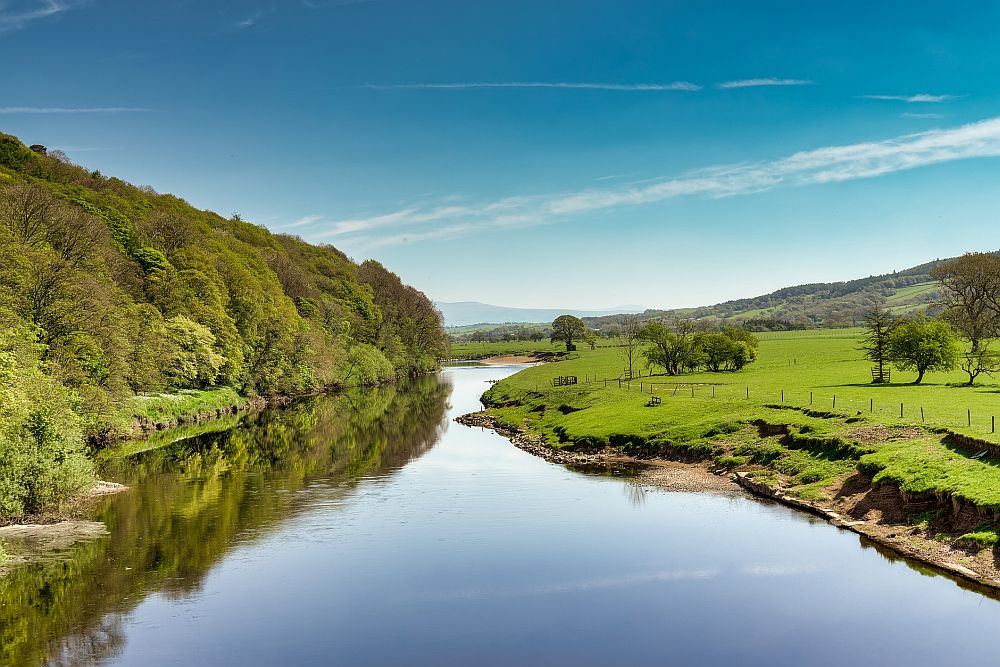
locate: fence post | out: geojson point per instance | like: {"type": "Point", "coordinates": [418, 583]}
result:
{"type": "Point", "coordinates": [993, 419]}
{"type": "Point", "coordinates": [692, 392]}
{"type": "Point", "coordinates": [640, 387]}
{"type": "Point", "coordinates": [810, 398]}
{"type": "Point", "coordinates": [675, 390]}
{"type": "Point", "coordinates": [835, 401]}
{"type": "Point", "coordinates": [748, 393]}
{"type": "Point", "coordinates": [969, 412]}
{"type": "Point", "coordinates": [871, 405]}
{"type": "Point", "coordinates": [713, 391]}
{"type": "Point", "coordinates": [782, 395]}
{"type": "Point", "coordinates": [921, 413]}
{"type": "Point", "coordinates": [900, 410]}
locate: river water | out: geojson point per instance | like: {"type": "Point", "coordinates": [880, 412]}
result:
{"type": "Point", "coordinates": [369, 529]}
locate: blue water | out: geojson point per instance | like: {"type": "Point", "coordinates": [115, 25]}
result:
{"type": "Point", "coordinates": [472, 552]}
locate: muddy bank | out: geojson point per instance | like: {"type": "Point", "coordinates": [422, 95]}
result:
{"type": "Point", "coordinates": [508, 359]}
{"type": "Point", "coordinates": [661, 473]}
{"type": "Point", "coordinates": [878, 513]}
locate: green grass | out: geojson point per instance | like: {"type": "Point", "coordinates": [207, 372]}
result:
{"type": "Point", "coordinates": [166, 407]}
{"type": "Point", "coordinates": [821, 444]}
{"type": "Point", "coordinates": [983, 538]}
{"type": "Point", "coordinates": [812, 368]}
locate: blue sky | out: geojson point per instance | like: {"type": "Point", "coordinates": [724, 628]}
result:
{"type": "Point", "coordinates": [555, 154]}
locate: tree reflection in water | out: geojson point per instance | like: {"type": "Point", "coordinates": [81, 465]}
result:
{"type": "Point", "coordinates": [192, 500]}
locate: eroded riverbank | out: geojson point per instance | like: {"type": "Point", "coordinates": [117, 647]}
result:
{"type": "Point", "coordinates": [879, 513]}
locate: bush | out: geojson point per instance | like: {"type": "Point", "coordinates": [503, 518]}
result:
{"type": "Point", "coordinates": [42, 459]}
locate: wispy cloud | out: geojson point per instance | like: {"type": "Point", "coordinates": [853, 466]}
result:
{"type": "Point", "coordinates": [627, 87]}
{"type": "Point", "coordinates": [908, 114]}
{"type": "Point", "coordinates": [830, 164]}
{"type": "Point", "coordinates": [65, 110]}
{"type": "Point", "coordinates": [304, 221]}
{"type": "Point", "coordinates": [767, 81]}
{"type": "Point", "coordinates": [25, 13]}
{"type": "Point", "coordinates": [911, 99]}
{"type": "Point", "coordinates": [251, 19]}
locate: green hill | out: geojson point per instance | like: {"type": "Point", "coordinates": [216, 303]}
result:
{"type": "Point", "coordinates": [812, 306]}
{"type": "Point", "coordinates": [112, 293]}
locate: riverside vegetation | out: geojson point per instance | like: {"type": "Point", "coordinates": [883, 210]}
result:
{"type": "Point", "coordinates": [919, 464]}
{"type": "Point", "coordinates": [120, 306]}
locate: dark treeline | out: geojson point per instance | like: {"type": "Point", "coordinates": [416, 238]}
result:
{"type": "Point", "coordinates": [108, 290]}
{"type": "Point", "coordinates": [502, 332]}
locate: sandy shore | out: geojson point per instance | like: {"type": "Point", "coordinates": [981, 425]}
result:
{"type": "Point", "coordinates": [877, 514]}
{"type": "Point", "coordinates": [507, 360]}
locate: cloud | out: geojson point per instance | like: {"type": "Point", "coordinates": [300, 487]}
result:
{"type": "Point", "coordinates": [26, 13]}
{"type": "Point", "coordinates": [907, 114]}
{"type": "Point", "coordinates": [304, 221]}
{"type": "Point", "coordinates": [829, 164]}
{"type": "Point", "coordinates": [628, 87]}
{"type": "Point", "coordinates": [768, 81]}
{"type": "Point", "coordinates": [66, 110]}
{"type": "Point", "coordinates": [251, 20]}
{"type": "Point", "coordinates": [911, 99]}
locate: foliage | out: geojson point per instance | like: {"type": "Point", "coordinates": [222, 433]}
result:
{"type": "Point", "coordinates": [971, 286]}
{"type": "Point", "coordinates": [567, 328]}
{"type": "Point", "coordinates": [879, 325]}
{"type": "Point", "coordinates": [923, 345]}
{"type": "Point", "coordinates": [111, 291]}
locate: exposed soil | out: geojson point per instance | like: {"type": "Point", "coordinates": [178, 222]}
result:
{"type": "Point", "coordinates": [508, 359]}
{"type": "Point", "coordinates": [880, 513]}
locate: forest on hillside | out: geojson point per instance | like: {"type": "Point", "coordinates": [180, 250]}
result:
{"type": "Point", "coordinates": [110, 291]}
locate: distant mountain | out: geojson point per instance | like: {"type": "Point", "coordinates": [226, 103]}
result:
{"type": "Point", "coordinates": [464, 313]}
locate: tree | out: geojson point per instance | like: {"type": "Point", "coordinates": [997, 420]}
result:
{"type": "Point", "coordinates": [566, 329]}
{"type": "Point", "coordinates": [880, 324]}
{"type": "Point", "coordinates": [628, 332]}
{"type": "Point", "coordinates": [193, 361]}
{"type": "Point", "coordinates": [675, 352]}
{"type": "Point", "coordinates": [972, 288]}
{"type": "Point", "coordinates": [923, 345]}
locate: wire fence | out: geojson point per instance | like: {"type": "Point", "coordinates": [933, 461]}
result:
{"type": "Point", "coordinates": [816, 399]}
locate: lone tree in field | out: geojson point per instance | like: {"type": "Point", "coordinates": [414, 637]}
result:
{"type": "Point", "coordinates": [628, 332]}
{"type": "Point", "coordinates": [923, 345]}
{"type": "Point", "coordinates": [971, 286]}
{"type": "Point", "coordinates": [566, 329]}
{"type": "Point", "coordinates": [880, 324]}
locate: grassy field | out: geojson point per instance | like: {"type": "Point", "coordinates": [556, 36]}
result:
{"type": "Point", "coordinates": [807, 369]}
{"type": "Point", "coordinates": [792, 386]}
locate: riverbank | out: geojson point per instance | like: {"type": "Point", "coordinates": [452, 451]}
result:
{"type": "Point", "coordinates": [880, 512]}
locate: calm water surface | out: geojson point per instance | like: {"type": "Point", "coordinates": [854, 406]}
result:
{"type": "Point", "coordinates": [368, 529]}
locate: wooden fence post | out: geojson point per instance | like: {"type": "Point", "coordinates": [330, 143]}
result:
{"type": "Point", "coordinates": [969, 411]}
{"type": "Point", "coordinates": [834, 401]}
{"type": "Point", "coordinates": [921, 413]}
{"type": "Point", "coordinates": [900, 410]}
{"type": "Point", "coordinates": [782, 395]}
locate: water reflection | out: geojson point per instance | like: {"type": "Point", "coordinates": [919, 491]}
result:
{"type": "Point", "coordinates": [191, 501]}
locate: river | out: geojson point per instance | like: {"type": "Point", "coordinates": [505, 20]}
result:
{"type": "Point", "coordinates": [369, 529]}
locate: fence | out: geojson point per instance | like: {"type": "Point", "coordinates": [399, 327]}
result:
{"type": "Point", "coordinates": [803, 398]}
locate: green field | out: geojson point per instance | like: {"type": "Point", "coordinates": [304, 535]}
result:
{"type": "Point", "coordinates": [823, 364]}
{"type": "Point", "coordinates": [792, 384]}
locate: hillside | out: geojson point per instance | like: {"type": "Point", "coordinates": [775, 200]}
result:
{"type": "Point", "coordinates": [112, 295]}
{"type": "Point", "coordinates": [812, 306]}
